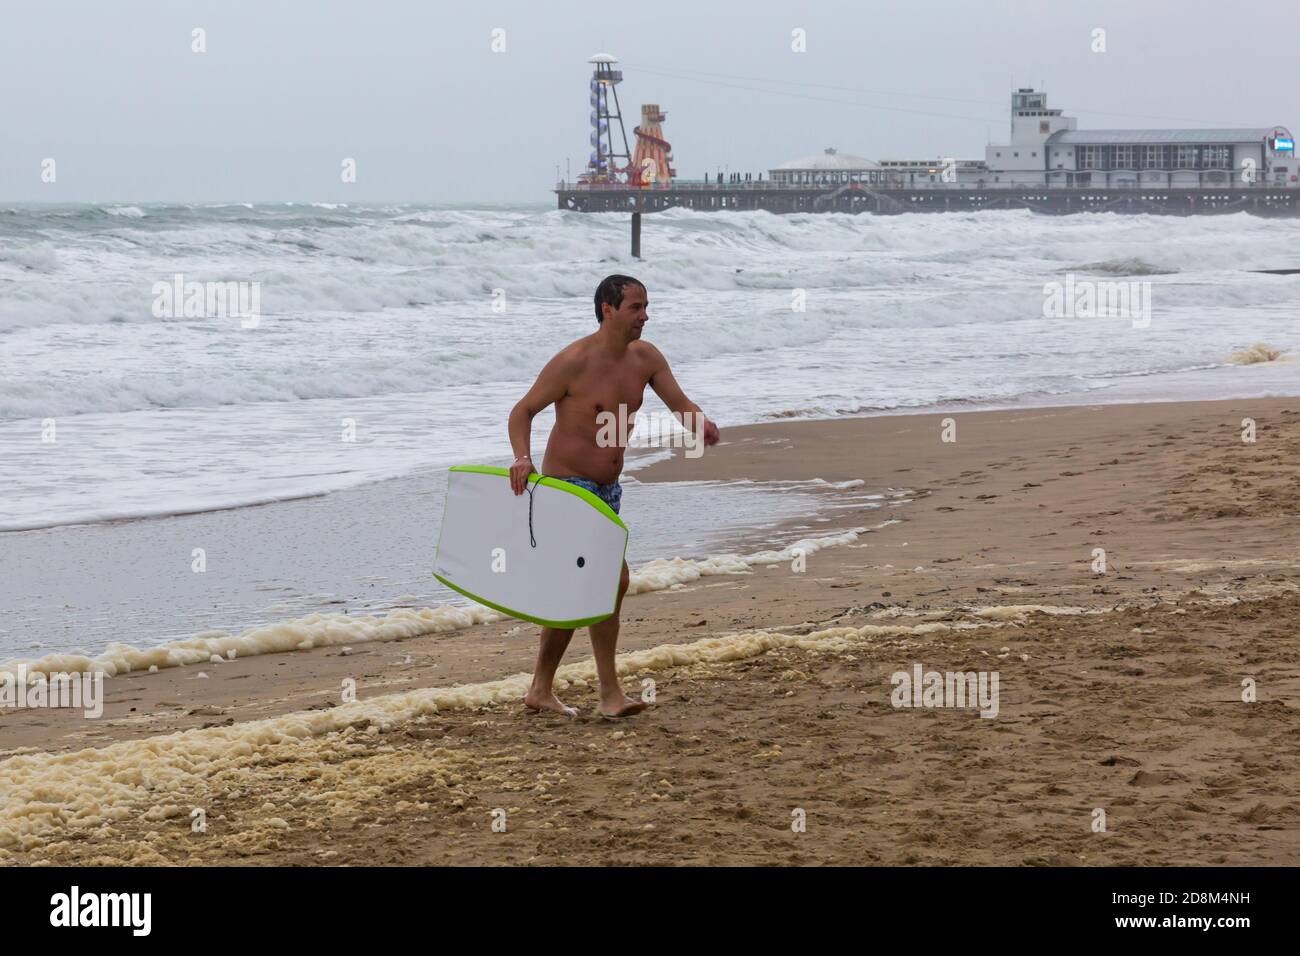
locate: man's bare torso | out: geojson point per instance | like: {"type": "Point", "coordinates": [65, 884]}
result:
{"type": "Point", "coordinates": [599, 383]}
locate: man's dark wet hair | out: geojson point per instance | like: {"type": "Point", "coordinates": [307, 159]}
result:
{"type": "Point", "coordinates": [610, 291]}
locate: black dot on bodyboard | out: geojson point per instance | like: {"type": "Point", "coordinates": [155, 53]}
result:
{"type": "Point", "coordinates": [581, 561]}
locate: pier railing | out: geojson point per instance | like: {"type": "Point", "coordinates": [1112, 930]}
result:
{"type": "Point", "coordinates": [771, 186]}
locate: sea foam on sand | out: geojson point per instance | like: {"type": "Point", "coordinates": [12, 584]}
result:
{"type": "Point", "coordinates": [46, 797]}
{"type": "Point", "coordinates": [1258, 353]}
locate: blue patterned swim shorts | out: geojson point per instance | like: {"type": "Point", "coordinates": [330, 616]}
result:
{"type": "Point", "coordinates": [611, 494]}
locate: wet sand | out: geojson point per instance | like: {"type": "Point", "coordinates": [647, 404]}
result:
{"type": "Point", "coordinates": [773, 687]}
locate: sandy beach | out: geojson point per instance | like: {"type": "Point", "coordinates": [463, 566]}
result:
{"type": "Point", "coordinates": [1121, 691]}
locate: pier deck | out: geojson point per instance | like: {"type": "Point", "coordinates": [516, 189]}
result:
{"type": "Point", "coordinates": [1258, 200]}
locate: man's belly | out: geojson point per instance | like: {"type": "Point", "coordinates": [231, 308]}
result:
{"type": "Point", "coordinates": [569, 455]}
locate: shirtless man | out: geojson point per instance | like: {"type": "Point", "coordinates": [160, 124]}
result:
{"type": "Point", "coordinates": [599, 373]}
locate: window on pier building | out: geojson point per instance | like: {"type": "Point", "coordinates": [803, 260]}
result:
{"type": "Point", "coordinates": [1153, 157]}
{"type": "Point", "coordinates": [1216, 157]}
{"type": "Point", "coordinates": [1092, 157]}
{"type": "Point", "coordinates": [1186, 157]}
{"type": "Point", "coordinates": [1125, 157]}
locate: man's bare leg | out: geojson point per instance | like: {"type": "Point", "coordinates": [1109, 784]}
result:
{"type": "Point", "coordinates": [541, 695]}
{"type": "Point", "coordinates": [604, 643]}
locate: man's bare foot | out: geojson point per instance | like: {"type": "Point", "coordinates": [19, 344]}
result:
{"type": "Point", "coordinates": [621, 705]}
{"type": "Point", "coordinates": [535, 701]}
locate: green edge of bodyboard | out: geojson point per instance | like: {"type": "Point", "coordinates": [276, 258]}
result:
{"type": "Point", "coordinates": [584, 622]}
{"type": "Point", "coordinates": [550, 482]}
{"type": "Point", "coordinates": [582, 493]}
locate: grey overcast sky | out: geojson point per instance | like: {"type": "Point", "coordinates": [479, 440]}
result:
{"type": "Point", "coordinates": [412, 90]}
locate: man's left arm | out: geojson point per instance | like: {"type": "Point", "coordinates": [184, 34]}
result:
{"type": "Point", "coordinates": [687, 412]}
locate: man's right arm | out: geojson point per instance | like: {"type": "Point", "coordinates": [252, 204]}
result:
{"type": "Point", "coordinates": [550, 387]}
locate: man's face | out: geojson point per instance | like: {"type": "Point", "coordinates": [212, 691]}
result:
{"type": "Point", "coordinates": [630, 316]}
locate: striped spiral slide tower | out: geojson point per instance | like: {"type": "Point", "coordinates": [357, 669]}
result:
{"type": "Point", "coordinates": [652, 163]}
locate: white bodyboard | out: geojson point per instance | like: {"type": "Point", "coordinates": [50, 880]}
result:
{"type": "Point", "coordinates": [485, 550]}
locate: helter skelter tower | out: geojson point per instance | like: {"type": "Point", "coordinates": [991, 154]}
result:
{"type": "Point", "coordinates": [652, 163]}
{"type": "Point", "coordinates": [607, 164]}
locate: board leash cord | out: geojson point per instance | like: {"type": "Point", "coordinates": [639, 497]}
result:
{"type": "Point", "coordinates": [531, 488]}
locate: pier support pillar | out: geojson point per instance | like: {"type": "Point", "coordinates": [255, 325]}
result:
{"type": "Point", "coordinates": [636, 227]}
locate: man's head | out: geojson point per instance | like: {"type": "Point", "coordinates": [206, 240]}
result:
{"type": "Point", "coordinates": [621, 304]}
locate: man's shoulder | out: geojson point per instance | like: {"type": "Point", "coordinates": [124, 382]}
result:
{"type": "Point", "coordinates": [573, 354]}
{"type": "Point", "coordinates": [646, 351]}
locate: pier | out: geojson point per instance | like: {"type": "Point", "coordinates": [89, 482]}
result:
{"type": "Point", "coordinates": [1255, 199]}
